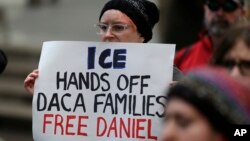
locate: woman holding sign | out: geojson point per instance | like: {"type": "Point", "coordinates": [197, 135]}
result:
{"type": "Point", "coordinates": [120, 21]}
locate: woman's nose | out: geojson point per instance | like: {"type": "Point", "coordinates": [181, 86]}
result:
{"type": "Point", "coordinates": [235, 72]}
{"type": "Point", "coordinates": [107, 35]}
{"type": "Point", "coordinates": [169, 132]}
{"type": "Point", "coordinates": [220, 12]}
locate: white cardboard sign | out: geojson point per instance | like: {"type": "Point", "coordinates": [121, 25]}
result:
{"type": "Point", "coordinates": [95, 91]}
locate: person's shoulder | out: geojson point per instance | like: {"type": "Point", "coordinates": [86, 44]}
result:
{"type": "Point", "coordinates": [184, 51]}
{"type": "Point", "coordinates": [190, 47]}
{"type": "Point", "coordinates": [188, 51]}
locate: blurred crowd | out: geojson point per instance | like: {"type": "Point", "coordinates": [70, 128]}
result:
{"type": "Point", "coordinates": [214, 94]}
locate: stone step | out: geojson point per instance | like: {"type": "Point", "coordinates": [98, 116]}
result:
{"type": "Point", "coordinates": [14, 108]}
{"type": "Point", "coordinates": [20, 62]}
{"type": "Point", "coordinates": [12, 87]}
{"type": "Point", "coordinates": [19, 68]}
{"type": "Point", "coordinates": [15, 102]}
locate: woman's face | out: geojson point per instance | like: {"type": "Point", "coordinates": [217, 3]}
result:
{"type": "Point", "coordinates": [118, 27]}
{"type": "Point", "coordinates": [237, 60]}
{"type": "Point", "coordinates": [185, 123]}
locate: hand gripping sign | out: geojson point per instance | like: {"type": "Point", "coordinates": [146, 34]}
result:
{"type": "Point", "coordinates": [96, 91]}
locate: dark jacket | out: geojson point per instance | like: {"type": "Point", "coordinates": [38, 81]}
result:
{"type": "Point", "coordinates": [3, 61]}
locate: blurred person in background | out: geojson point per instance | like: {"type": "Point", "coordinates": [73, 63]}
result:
{"type": "Point", "coordinates": [3, 61]}
{"type": "Point", "coordinates": [204, 105]}
{"type": "Point", "coordinates": [219, 15]}
{"type": "Point", "coordinates": [233, 52]}
{"type": "Point", "coordinates": [121, 21]}
{"type": "Point", "coordinates": [3, 64]}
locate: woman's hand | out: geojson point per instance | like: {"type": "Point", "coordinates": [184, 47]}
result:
{"type": "Point", "coordinates": [29, 82]}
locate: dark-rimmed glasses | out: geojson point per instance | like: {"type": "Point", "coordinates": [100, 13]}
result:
{"type": "Point", "coordinates": [227, 6]}
{"type": "Point", "coordinates": [243, 65]}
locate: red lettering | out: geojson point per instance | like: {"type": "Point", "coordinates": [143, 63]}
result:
{"type": "Point", "coordinates": [113, 127]}
{"type": "Point", "coordinates": [128, 128]}
{"type": "Point", "coordinates": [150, 130]}
{"type": "Point", "coordinates": [81, 118]}
{"type": "Point", "coordinates": [133, 129]}
{"type": "Point", "coordinates": [45, 121]}
{"type": "Point", "coordinates": [68, 125]}
{"type": "Point", "coordinates": [98, 126]}
{"type": "Point", "coordinates": [58, 122]}
{"type": "Point", "coordinates": [123, 127]}
{"type": "Point", "coordinates": [138, 128]}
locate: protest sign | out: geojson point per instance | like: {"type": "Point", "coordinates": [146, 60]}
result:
{"type": "Point", "coordinates": [101, 91]}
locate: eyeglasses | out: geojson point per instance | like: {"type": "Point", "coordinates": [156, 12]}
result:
{"type": "Point", "coordinates": [243, 65]}
{"type": "Point", "coordinates": [114, 28]}
{"type": "Point", "coordinates": [227, 6]}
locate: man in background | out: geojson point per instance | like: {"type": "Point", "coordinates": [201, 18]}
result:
{"type": "Point", "coordinates": [219, 15]}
